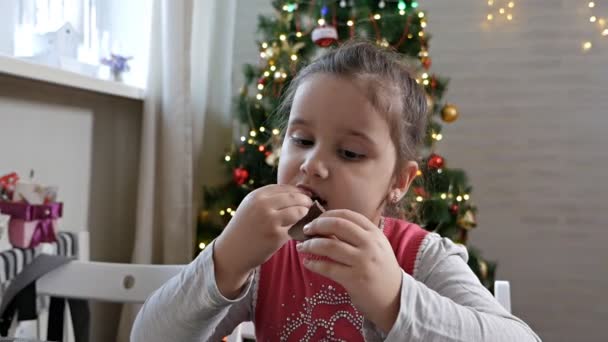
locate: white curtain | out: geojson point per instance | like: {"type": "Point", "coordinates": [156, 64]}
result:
{"type": "Point", "coordinates": [188, 88]}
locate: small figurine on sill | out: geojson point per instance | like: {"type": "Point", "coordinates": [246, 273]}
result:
{"type": "Point", "coordinates": [118, 65]}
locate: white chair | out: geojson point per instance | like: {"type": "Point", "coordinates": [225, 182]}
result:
{"type": "Point", "coordinates": [502, 293]}
{"type": "Point", "coordinates": [245, 330]}
{"type": "Point", "coordinates": [111, 282]}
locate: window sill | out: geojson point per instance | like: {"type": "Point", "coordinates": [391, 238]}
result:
{"type": "Point", "coordinates": [19, 68]}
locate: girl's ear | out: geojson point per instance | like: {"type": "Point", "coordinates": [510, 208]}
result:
{"type": "Point", "coordinates": [404, 178]}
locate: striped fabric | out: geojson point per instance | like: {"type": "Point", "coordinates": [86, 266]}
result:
{"type": "Point", "coordinates": [13, 260]}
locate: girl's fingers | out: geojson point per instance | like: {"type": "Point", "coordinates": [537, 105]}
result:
{"type": "Point", "coordinates": [283, 200]}
{"type": "Point", "coordinates": [343, 229]}
{"type": "Point", "coordinates": [287, 217]}
{"type": "Point", "coordinates": [334, 249]}
{"type": "Point", "coordinates": [360, 220]}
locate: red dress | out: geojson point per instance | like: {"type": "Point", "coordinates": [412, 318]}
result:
{"type": "Point", "coordinates": [295, 304]}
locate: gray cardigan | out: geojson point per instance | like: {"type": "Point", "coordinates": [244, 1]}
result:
{"type": "Point", "coordinates": [442, 301]}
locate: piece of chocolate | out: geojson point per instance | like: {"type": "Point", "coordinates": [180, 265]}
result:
{"type": "Point", "coordinates": [296, 231]}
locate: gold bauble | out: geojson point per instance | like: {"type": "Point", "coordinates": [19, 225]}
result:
{"type": "Point", "coordinates": [483, 269]}
{"type": "Point", "coordinates": [468, 220]}
{"type": "Point", "coordinates": [449, 113]}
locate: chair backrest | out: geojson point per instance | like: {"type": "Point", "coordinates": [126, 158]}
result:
{"type": "Point", "coordinates": [502, 293]}
{"type": "Point", "coordinates": [113, 282]}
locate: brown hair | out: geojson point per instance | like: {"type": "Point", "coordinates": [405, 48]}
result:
{"type": "Point", "coordinates": [387, 77]}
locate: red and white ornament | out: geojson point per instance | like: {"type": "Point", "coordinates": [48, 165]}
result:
{"type": "Point", "coordinates": [325, 35]}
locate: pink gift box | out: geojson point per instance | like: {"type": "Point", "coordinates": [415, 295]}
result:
{"type": "Point", "coordinates": [31, 224]}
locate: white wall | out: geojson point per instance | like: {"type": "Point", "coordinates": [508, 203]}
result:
{"type": "Point", "coordinates": [532, 139]}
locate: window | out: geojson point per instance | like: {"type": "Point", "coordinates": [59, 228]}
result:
{"type": "Point", "coordinates": [76, 34]}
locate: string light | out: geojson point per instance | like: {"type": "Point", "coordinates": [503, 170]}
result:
{"type": "Point", "coordinates": [350, 23]}
{"type": "Point", "coordinates": [321, 22]}
{"type": "Point", "coordinates": [504, 9]}
{"type": "Point", "coordinates": [459, 198]}
{"type": "Point", "coordinates": [262, 129]}
{"type": "Point", "coordinates": [377, 16]}
{"type": "Point", "coordinates": [275, 131]}
{"type": "Point", "coordinates": [419, 198]}
{"type": "Point", "coordinates": [227, 158]}
{"type": "Point", "coordinates": [253, 133]}
{"type": "Point", "coordinates": [202, 245]}
{"type": "Point", "coordinates": [601, 23]}
{"type": "Point", "coordinates": [421, 15]}
{"type": "Point", "coordinates": [259, 96]}
{"type": "Point", "coordinates": [444, 196]}
{"type": "Point", "coordinates": [243, 139]}
{"type": "Point", "coordinates": [222, 213]}
{"type": "Point", "coordinates": [401, 6]}
{"type": "Point", "coordinates": [282, 37]}
{"type": "Point", "coordinates": [299, 34]}
{"type": "Point", "coordinates": [466, 197]}
{"type": "Point", "coordinates": [266, 74]}
{"type": "Point", "coordinates": [294, 58]}
{"type": "Point", "coordinates": [265, 45]}
{"type": "Point", "coordinates": [587, 46]}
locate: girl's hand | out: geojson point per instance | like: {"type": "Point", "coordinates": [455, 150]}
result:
{"type": "Point", "coordinates": [363, 263]}
{"type": "Point", "coordinates": [257, 230]}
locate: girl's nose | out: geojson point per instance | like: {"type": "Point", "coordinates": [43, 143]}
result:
{"type": "Point", "coordinates": [314, 166]}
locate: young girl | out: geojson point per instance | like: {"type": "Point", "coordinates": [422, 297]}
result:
{"type": "Point", "coordinates": [355, 118]}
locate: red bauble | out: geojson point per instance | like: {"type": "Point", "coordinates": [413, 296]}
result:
{"type": "Point", "coordinates": [435, 161]}
{"type": "Point", "coordinates": [324, 36]}
{"type": "Point", "coordinates": [454, 208]}
{"type": "Point", "coordinates": [240, 175]}
{"type": "Point", "coordinates": [419, 191]}
{"type": "Point", "coordinates": [242, 149]}
{"type": "Point", "coordinates": [433, 82]}
{"type": "Point", "coordinates": [262, 81]}
{"type": "Point", "coordinates": [426, 62]}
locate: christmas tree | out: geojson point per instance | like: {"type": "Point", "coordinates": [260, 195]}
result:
{"type": "Point", "coordinates": [439, 199]}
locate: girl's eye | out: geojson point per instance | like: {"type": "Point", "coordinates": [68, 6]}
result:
{"type": "Point", "coordinates": [350, 155]}
{"type": "Point", "coordinates": [301, 142]}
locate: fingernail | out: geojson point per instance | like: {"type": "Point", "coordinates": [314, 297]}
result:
{"type": "Point", "coordinates": [306, 227]}
{"type": "Point", "coordinates": [299, 245]}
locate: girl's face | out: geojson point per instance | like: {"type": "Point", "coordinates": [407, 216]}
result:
{"type": "Point", "coordinates": [338, 147]}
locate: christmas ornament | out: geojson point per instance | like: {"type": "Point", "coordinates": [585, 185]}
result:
{"type": "Point", "coordinates": [240, 175]}
{"type": "Point", "coordinates": [468, 220]}
{"type": "Point", "coordinates": [426, 62]}
{"type": "Point", "coordinates": [435, 161]}
{"type": "Point", "coordinates": [271, 158]}
{"type": "Point", "coordinates": [454, 209]}
{"type": "Point", "coordinates": [419, 191]}
{"type": "Point", "coordinates": [449, 113]}
{"type": "Point", "coordinates": [483, 269]}
{"type": "Point", "coordinates": [324, 36]}
{"type": "Point", "coordinates": [433, 82]}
